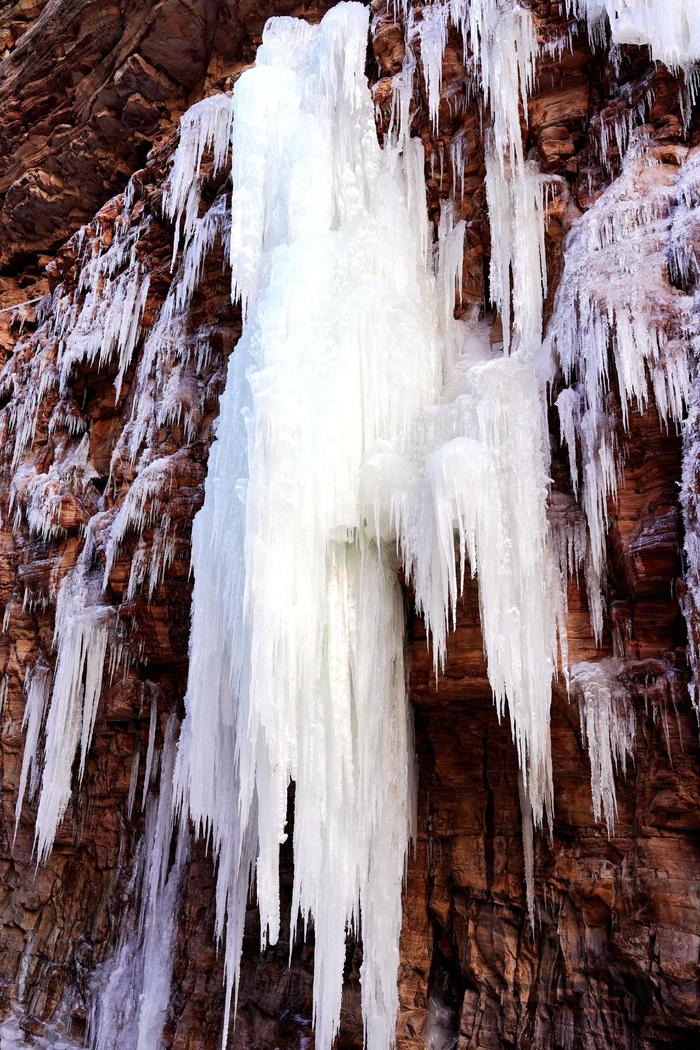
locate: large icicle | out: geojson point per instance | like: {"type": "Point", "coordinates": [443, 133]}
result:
{"type": "Point", "coordinates": [318, 695]}
{"type": "Point", "coordinates": [81, 638]}
{"type": "Point", "coordinates": [37, 684]}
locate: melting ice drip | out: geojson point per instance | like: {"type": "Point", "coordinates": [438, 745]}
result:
{"type": "Point", "coordinates": [358, 419]}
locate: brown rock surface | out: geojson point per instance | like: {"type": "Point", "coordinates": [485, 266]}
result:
{"type": "Point", "coordinates": [87, 89]}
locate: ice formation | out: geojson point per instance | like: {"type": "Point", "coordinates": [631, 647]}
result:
{"type": "Point", "coordinates": [318, 697]}
{"type": "Point", "coordinates": [608, 728]}
{"type": "Point", "coordinates": [131, 988]}
{"type": "Point", "coordinates": [670, 28]}
{"type": "Point", "coordinates": [331, 456]}
{"type": "Point", "coordinates": [614, 301]}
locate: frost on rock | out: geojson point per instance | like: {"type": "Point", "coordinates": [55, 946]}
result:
{"type": "Point", "coordinates": [48, 500]}
{"type": "Point", "coordinates": [617, 315]}
{"type": "Point", "coordinates": [332, 456]}
{"type": "Point", "coordinates": [104, 317]}
{"type": "Point", "coordinates": [684, 264]}
{"type": "Point", "coordinates": [608, 729]}
{"type": "Point", "coordinates": [145, 505]}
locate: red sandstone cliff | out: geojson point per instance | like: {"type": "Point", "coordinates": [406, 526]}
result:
{"type": "Point", "coordinates": [90, 93]}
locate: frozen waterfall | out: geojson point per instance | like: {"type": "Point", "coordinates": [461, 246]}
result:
{"type": "Point", "coordinates": [361, 425]}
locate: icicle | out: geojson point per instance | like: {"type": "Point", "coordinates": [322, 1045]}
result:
{"type": "Point", "coordinates": [528, 849]}
{"type": "Point", "coordinates": [133, 782]}
{"type": "Point", "coordinates": [432, 33]}
{"type": "Point", "coordinates": [81, 636]}
{"type": "Point", "coordinates": [458, 159]}
{"type": "Point", "coordinates": [151, 747]}
{"type": "Point", "coordinates": [504, 44]}
{"type": "Point", "coordinates": [486, 457]}
{"type": "Point", "coordinates": [103, 316]}
{"type": "Point", "coordinates": [608, 728]}
{"type": "Point", "coordinates": [401, 98]}
{"type": "Point", "coordinates": [37, 683]}
{"type": "Point", "coordinates": [130, 990]}
{"type": "Point", "coordinates": [282, 720]}
{"type": "Point", "coordinates": [517, 268]}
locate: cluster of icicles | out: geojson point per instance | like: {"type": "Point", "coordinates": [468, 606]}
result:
{"type": "Point", "coordinates": [362, 429]}
{"type": "Point", "coordinates": [360, 426]}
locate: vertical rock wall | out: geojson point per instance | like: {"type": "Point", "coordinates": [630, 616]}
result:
{"type": "Point", "coordinates": [86, 91]}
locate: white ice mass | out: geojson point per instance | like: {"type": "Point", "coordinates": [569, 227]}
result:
{"type": "Point", "coordinates": [359, 422]}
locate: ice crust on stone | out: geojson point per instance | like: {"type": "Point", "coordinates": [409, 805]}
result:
{"type": "Point", "coordinates": [615, 306]}
{"type": "Point", "coordinates": [684, 264]}
{"type": "Point", "coordinates": [104, 317]}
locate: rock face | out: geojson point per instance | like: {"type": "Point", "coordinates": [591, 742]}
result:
{"type": "Point", "coordinates": [90, 93]}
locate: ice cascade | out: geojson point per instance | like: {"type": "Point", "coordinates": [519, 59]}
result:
{"type": "Point", "coordinates": [361, 426]}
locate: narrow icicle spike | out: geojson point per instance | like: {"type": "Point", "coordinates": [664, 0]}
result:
{"type": "Point", "coordinates": [153, 721]}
